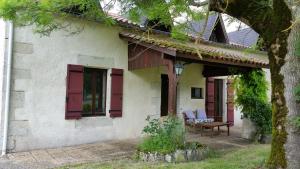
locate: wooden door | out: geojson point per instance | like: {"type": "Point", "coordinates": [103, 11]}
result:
{"type": "Point", "coordinates": [219, 100]}
{"type": "Point", "coordinates": [210, 97]}
{"type": "Point", "coordinates": [230, 102]}
{"type": "Point", "coordinates": [164, 95]}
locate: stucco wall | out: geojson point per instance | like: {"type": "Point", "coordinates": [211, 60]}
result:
{"type": "Point", "coordinates": [37, 117]}
{"type": "Point", "coordinates": [39, 88]}
{"type": "Point", "coordinates": [191, 77]}
{"type": "Point", "coordinates": [237, 111]}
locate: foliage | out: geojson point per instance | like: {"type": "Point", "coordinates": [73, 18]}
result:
{"type": "Point", "coordinates": [251, 96]}
{"type": "Point", "coordinates": [297, 92]}
{"type": "Point", "coordinates": [247, 158]}
{"type": "Point", "coordinates": [163, 136]}
{"type": "Point", "coordinates": [296, 122]}
{"type": "Point", "coordinates": [50, 15]}
{"type": "Point", "coordinates": [260, 113]}
{"type": "Point", "coordinates": [297, 49]}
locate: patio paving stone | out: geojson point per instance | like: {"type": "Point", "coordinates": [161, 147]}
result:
{"type": "Point", "coordinates": [106, 151]}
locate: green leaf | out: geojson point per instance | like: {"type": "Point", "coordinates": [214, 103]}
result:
{"type": "Point", "coordinates": [296, 122]}
{"type": "Point", "coordinates": [297, 50]}
{"type": "Point", "coordinates": [297, 92]}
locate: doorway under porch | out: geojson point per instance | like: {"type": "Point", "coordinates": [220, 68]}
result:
{"type": "Point", "coordinates": [213, 60]}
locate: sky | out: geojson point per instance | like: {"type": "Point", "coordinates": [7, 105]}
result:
{"type": "Point", "coordinates": [230, 27]}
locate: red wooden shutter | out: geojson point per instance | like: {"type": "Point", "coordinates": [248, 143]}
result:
{"type": "Point", "coordinates": [116, 93]}
{"type": "Point", "coordinates": [210, 97]}
{"type": "Point", "coordinates": [74, 92]}
{"type": "Point", "coordinates": [230, 102]}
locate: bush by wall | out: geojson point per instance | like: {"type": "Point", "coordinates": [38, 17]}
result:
{"type": "Point", "coordinates": [251, 96]}
{"type": "Point", "coordinates": [164, 136]}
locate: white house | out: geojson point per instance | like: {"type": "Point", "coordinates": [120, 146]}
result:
{"type": "Point", "coordinates": [103, 82]}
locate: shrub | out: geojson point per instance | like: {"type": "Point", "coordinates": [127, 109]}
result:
{"type": "Point", "coordinates": [251, 96]}
{"type": "Point", "coordinates": [260, 114]}
{"type": "Point", "coordinates": [164, 136]}
{"type": "Point", "coordinates": [295, 121]}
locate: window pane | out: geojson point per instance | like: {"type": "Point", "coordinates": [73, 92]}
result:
{"type": "Point", "coordinates": [87, 92]}
{"type": "Point", "coordinates": [196, 93]}
{"type": "Point", "coordinates": [100, 92]}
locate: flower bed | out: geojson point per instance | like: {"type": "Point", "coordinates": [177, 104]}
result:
{"type": "Point", "coordinates": [189, 154]}
{"type": "Point", "coordinates": [165, 142]}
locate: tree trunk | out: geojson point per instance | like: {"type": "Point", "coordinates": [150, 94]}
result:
{"type": "Point", "coordinates": [291, 72]}
{"type": "Point", "coordinates": [270, 22]}
{"type": "Point", "coordinates": [277, 51]}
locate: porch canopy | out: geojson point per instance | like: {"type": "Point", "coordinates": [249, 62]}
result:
{"type": "Point", "coordinates": [146, 50]}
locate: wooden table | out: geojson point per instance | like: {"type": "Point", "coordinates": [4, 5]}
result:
{"type": "Point", "coordinates": [212, 125]}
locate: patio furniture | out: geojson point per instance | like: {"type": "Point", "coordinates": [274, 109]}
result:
{"type": "Point", "coordinates": [202, 117]}
{"type": "Point", "coordinates": [189, 117]}
{"type": "Point", "coordinates": [202, 122]}
{"type": "Point", "coordinates": [198, 116]}
{"type": "Point", "coordinates": [212, 126]}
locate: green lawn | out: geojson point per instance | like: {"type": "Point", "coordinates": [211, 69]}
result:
{"type": "Point", "coordinates": [253, 157]}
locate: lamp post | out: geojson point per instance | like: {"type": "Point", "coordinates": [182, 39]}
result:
{"type": "Point", "coordinates": [178, 69]}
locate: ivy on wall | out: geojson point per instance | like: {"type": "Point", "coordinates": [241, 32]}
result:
{"type": "Point", "coordinates": [251, 97]}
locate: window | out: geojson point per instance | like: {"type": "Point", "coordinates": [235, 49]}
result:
{"type": "Point", "coordinates": [94, 92]}
{"type": "Point", "coordinates": [86, 92]}
{"type": "Point", "coordinates": [196, 93]}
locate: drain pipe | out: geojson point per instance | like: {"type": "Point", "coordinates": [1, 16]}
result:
{"type": "Point", "coordinates": [7, 85]}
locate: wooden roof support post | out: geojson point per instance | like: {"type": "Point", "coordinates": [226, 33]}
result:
{"type": "Point", "coordinates": [172, 87]}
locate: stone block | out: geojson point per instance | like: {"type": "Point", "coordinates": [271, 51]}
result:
{"type": "Point", "coordinates": [11, 144]}
{"type": "Point", "coordinates": [152, 157]}
{"type": "Point", "coordinates": [24, 48]}
{"type": "Point", "coordinates": [105, 62]}
{"type": "Point", "coordinates": [189, 155]}
{"type": "Point", "coordinates": [249, 129]}
{"type": "Point", "coordinates": [20, 84]}
{"type": "Point", "coordinates": [17, 99]}
{"type": "Point", "coordinates": [18, 128]}
{"type": "Point", "coordinates": [20, 114]}
{"type": "Point", "coordinates": [21, 73]}
{"type": "Point", "coordinates": [168, 158]}
{"type": "Point", "coordinates": [180, 156]}
{"type": "Point", "coordinates": [92, 122]}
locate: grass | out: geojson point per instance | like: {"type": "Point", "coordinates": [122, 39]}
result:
{"type": "Point", "coordinates": [253, 157]}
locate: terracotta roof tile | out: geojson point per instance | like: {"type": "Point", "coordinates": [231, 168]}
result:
{"type": "Point", "coordinates": [123, 21]}
{"type": "Point", "coordinates": [212, 50]}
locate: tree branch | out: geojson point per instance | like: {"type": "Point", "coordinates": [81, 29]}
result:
{"type": "Point", "coordinates": [253, 13]}
{"type": "Point", "coordinates": [199, 4]}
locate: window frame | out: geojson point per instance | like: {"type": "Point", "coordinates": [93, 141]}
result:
{"type": "Point", "coordinates": [193, 91]}
{"type": "Point", "coordinates": [95, 71]}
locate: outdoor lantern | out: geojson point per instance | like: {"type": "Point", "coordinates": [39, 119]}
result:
{"type": "Point", "coordinates": [178, 68]}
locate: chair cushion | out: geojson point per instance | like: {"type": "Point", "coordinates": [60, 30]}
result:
{"type": "Point", "coordinates": [190, 114]}
{"type": "Point", "coordinates": [201, 115]}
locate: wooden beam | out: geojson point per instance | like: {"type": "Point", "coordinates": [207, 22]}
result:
{"type": "Point", "coordinates": [169, 51]}
{"type": "Point", "coordinates": [172, 87]}
{"type": "Point", "coordinates": [206, 58]}
{"type": "Point", "coordinates": [213, 71]}
{"type": "Point", "coordinates": [140, 57]}
{"type": "Point", "coordinates": [211, 59]}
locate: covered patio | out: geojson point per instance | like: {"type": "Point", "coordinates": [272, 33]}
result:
{"type": "Point", "coordinates": [107, 151]}
{"type": "Point", "coordinates": [212, 63]}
